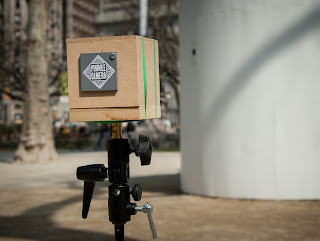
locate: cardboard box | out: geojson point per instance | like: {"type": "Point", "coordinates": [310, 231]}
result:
{"type": "Point", "coordinates": [120, 89]}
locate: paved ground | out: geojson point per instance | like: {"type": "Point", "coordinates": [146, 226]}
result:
{"type": "Point", "coordinates": [43, 202]}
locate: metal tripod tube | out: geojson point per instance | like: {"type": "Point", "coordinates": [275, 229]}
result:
{"type": "Point", "coordinates": [119, 232]}
{"type": "Point", "coordinates": [119, 190]}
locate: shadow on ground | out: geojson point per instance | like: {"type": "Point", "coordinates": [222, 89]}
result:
{"type": "Point", "coordinates": [166, 184]}
{"type": "Point", "coordinates": [36, 223]}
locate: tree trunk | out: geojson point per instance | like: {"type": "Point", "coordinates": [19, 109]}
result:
{"type": "Point", "coordinates": [36, 142]}
{"type": "Point", "coordinates": [176, 89]}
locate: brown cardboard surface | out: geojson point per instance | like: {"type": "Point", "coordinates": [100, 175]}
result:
{"type": "Point", "coordinates": [91, 39]}
{"type": "Point", "coordinates": [130, 93]}
{"type": "Point", "coordinates": [112, 114]}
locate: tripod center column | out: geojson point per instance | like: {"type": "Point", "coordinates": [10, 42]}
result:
{"type": "Point", "coordinates": [116, 131]}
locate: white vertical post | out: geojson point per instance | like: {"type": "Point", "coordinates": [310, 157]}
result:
{"type": "Point", "coordinates": [250, 95]}
{"type": "Point", "coordinates": [143, 26]}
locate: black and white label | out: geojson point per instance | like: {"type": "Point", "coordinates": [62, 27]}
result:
{"type": "Point", "coordinates": [98, 71]}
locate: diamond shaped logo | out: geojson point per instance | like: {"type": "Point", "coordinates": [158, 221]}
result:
{"type": "Point", "coordinates": [98, 71]}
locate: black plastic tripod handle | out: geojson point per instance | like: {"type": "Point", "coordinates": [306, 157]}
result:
{"type": "Point", "coordinates": [87, 196]}
{"type": "Point", "coordinates": [92, 173]}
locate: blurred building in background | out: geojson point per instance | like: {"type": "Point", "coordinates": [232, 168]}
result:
{"type": "Point", "coordinates": [113, 18]}
{"type": "Point", "coordinates": [79, 18]}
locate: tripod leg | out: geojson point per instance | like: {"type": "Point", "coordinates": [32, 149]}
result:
{"type": "Point", "coordinates": [119, 232]}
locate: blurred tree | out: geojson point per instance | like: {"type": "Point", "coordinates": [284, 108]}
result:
{"type": "Point", "coordinates": [36, 143]}
{"type": "Point", "coordinates": [13, 47]}
{"type": "Point", "coordinates": [163, 25]}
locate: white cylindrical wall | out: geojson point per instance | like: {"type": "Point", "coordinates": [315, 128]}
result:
{"type": "Point", "coordinates": [250, 98]}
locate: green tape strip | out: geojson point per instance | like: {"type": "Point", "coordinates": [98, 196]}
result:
{"type": "Point", "coordinates": [155, 76]}
{"type": "Point", "coordinates": [145, 79]}
{"type": "Point", "coordinates": [108, 122]}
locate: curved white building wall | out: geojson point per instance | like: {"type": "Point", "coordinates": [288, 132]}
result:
{"type": "Point", "coordinates": [250, 98]}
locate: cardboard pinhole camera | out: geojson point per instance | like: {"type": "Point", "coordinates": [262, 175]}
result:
{"type": "Point", "coordinates": [113, 78]}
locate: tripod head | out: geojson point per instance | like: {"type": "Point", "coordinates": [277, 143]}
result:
{"type": "Point", "coordinates": [119, 206]}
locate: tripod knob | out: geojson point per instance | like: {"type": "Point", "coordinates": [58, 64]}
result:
{"type": "Point", "coordinates": [136, 192]}
{"type": "Point", "coordinates": [144, 150]}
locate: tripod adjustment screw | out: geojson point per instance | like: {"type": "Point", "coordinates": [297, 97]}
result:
{"type": "Point", "coordinates": [136, 192]}
{"type": "Point", "coordinates": [148, 209]}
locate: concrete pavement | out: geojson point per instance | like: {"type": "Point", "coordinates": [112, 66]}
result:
{"type": "Point", "coordinates": [43, 202]}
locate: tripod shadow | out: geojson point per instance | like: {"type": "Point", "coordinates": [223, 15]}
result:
{"type": "Point", "coordinates": [37, 223]}
{"type": "Point", "coordinates": [166, 184]}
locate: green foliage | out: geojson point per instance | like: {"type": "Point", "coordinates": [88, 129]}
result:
{"type": "Point", "coordinates": [9, 146]}
{"type": "Point", "coordinates": [64, 83]}
{"type": "Point", "coordinates": [7, 129]}
{"type": "Point", "coordinates": [73, 144]}
{"type": "Point", "coordinates": [9, 134]}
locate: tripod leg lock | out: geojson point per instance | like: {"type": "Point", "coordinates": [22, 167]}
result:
{"type": "Point", "coordinates": [148, 209]}
{"type": "Point", "coordinates": [90, 174]}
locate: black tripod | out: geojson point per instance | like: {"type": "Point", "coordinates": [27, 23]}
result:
{"type": "Point", "coordinates": [119, 206]}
